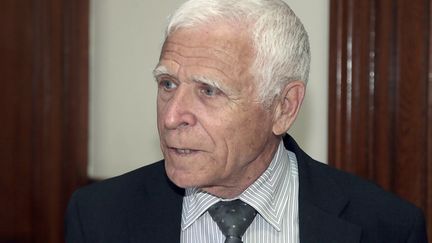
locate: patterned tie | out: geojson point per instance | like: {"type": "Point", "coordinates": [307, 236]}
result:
{"type": "Point", "coordinates": [233, 218]}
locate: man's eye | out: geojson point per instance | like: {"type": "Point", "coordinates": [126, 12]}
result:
{"type": "Point", "coordinates": [209, 90]}
{"type": "Point", "coordinates": [167, 84]}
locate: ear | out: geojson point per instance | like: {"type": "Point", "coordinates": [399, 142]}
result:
{"type": "Point", "coordinates": [287, 106]}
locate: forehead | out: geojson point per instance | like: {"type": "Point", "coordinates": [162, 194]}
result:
{"type": "Point", "coordinates": [218, 48]}
{"type": "Point", "coordinates": [221, 37]}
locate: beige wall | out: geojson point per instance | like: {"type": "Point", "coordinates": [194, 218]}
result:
{"type": "Point", "coordinates": [126, 37]}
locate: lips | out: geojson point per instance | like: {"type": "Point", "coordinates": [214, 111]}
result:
{"type": "Point", "coordinates": [182, 151]}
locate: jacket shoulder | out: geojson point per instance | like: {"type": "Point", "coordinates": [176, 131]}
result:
{"type": "Point", "coordinates": [138, 179]}
{"type": "Point", "coordinates": [106, 211]}
{"type": "Point", "coordinates": [381, 214]}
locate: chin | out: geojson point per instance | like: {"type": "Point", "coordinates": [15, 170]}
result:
{"type": "Point", "coordinates": [181, 179]}
{"type": "Point", "coordinates": [184, 182]}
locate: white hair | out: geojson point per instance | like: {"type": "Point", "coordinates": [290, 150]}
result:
{"type": "Point", "coordinates": [280, 41]}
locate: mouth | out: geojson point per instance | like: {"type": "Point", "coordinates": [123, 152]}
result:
{"type": "Point", "coordinates": [182, 151]}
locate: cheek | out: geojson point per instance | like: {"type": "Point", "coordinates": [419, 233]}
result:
{"type": "Point", "coordinates": [249, 133]}
{"type": "Point", "coordinates": [226, 138]}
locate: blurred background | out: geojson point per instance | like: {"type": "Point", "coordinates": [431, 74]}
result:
{"type": "Point", "coordinates": [78, 99]}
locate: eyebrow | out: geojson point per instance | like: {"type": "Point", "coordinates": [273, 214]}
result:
{"type": "Point", "coordinates": [161, 70]}
{"type": "Point", "coordinates": [212, 82]}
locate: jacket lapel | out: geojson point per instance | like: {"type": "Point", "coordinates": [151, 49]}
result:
{"type": "Point", "coordinates": [321, 203]}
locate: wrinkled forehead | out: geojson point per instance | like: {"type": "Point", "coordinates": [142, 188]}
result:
{"type": "Point", "coordinates": [227, 46]}
{"type": "Point", "coordinates": [224, 36]}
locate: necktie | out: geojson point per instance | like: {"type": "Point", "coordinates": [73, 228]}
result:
{"type": "Point", "coordinates": [233, 218]}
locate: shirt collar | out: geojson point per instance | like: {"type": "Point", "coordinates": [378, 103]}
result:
{"type": "Point", "coordinates": [268, 194]}
{"type": "Point", "coordinates": [195, 203]}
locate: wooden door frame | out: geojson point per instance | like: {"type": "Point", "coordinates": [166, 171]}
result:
{"type": "Point", "coordinates": [59, 110]}
{"type": "Point", "coordinates": [380, 94]}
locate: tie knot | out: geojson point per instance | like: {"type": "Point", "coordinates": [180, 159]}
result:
{"type": "Point", "coordinates": [233, 218]}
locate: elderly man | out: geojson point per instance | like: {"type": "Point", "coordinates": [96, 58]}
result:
{"type": "Point", "coordinates": [231, 79]}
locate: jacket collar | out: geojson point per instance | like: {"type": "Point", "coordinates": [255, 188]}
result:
{"type": "Point", "coordinates": [321, 202]}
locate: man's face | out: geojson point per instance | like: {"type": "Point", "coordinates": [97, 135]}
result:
{"type": "Point", "coordinates": [214, 133]}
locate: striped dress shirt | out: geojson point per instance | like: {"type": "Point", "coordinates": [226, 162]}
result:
{"type": "Point", "coordinates": [274, 195]}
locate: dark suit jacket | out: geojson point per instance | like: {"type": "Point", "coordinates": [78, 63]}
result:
{"type": "Point", "coordinates": [334, 207]}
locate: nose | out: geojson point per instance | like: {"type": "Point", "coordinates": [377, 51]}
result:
{"type": "Point", "coordinates": [178, 112]}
